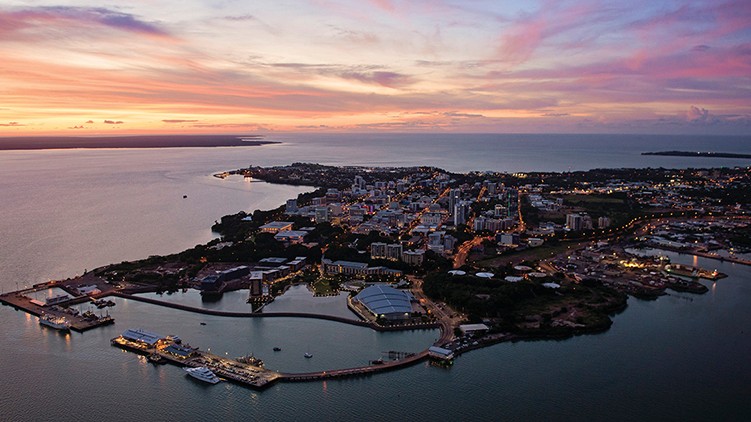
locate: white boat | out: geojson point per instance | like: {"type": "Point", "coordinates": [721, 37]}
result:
{"type": "Point", "coordinates": [308, 355]}
{"type": "Point", "coordinates": [203, 373]}
{"type": "Point", "coordinates": [58, 323]}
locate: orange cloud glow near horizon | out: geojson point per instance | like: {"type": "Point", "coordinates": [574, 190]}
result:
{"type": "Point", "coordinates": [402, 66]}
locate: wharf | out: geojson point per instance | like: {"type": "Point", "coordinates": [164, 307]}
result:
{"type": "Point", "coordinates": [693, 272]}
{"type": "Point", "coordinates": [78, 322]}
{"type": "Point", "coordinates": [228, 369]}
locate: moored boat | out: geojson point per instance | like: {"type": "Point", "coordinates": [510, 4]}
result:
{"type": "Point", "coordinates": [58, 323]}
{"type": "Point", "coordinates": [203, 373]}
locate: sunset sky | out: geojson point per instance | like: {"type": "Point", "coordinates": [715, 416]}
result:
{"type": "Point", "coordinates": [78, 67]}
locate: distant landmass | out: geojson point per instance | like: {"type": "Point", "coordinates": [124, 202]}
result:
{"type": "Point", "coordinates": [140, 141]}
{"type": "Point", "coordinates": [698, 154]}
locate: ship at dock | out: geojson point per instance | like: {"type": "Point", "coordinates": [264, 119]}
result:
{"type": "Point", "coordinates": [203, 373]}
{"type": "Point", "coordinates": [58, 323]}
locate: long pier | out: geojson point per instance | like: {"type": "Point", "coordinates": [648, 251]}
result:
{"type": "Point", "coordinates": [361, 370]}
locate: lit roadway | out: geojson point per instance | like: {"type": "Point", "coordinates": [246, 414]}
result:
{"type": "Point", "coordinates": [462, 252]}
{"type": "Point", "coordinates": [445, 316]}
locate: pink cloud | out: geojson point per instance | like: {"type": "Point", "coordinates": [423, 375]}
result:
{"type": "Point", "coordinates": [31, 23]}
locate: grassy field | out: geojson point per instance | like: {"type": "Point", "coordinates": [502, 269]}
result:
{"type": "Point", "coordinates": [533, 254]}
{"type": "Point", "coordinates": [324, 287]}
{"type": "Point", "coordinates": [592, 199]}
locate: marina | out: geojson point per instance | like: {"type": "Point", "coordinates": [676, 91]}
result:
{"type": "Point", "coordinates": [54, 315]}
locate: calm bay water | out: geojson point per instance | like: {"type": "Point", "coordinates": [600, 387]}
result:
{"type": "Point", "coordinates": [682, 357]}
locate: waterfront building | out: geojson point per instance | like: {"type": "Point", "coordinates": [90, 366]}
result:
{"type": "Point", "coordinates": [142, 337]}
{"type": "Point", "coordinates": [276, 226]}
{"type": "Point", "coordinates": [355, 268]}
{"type": "Point", "coordinates": [603, 222]}
{"type": "Point", "coordinates": [473, 329]}
{"type": "Point", "coordinates": [436, 352]}
{"type": "Point", "coordinates": [88, 290]}
{"type": "Point", "coordinates": [386, 302]}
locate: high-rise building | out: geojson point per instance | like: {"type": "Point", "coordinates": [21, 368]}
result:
{"type": "Point", "coordinates": [322, 214]}
{"type": "Point", "coordinates": [359, 182]}
{"type": "Point", "coordinates": [500, 211]}
{"type": "Point", "coordinates": [586, 222]}
{"type": "Point", "coordinates": [394, 251]}
{"type": "Point", "coordinates": [291, 207]}
{"type": "Point", "coordinates": [574, 222]}
{"type": "Point", "coordinates": [479, 224]}
{"type": "Point", "coordinates": [454, 195]}
{"type": "Point", "coordinates": [413, 257]}
{"type": "Point", "coordinates": [377, 250]}
{"type": "Point", "coordinates": [491, 188]}
{"type": "Point", "coordinates": [603, 222]}
{"type": "Point", "coordinates": [460, 213]}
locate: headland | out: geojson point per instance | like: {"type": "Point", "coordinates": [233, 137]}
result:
{"type": "Point", "coordinates": [135, 141]}
{"type": "Point", "coordinates": [485, 257]}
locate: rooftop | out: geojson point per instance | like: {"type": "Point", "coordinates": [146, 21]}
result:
{"type": "Point", "coordinates": [382, 300]}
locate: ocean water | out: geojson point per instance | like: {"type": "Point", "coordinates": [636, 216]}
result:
{"type": "Point", "coordinates": [682, 357]}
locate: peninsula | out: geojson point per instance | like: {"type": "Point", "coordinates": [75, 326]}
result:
{"type": "Point", "coordinates": [136, 141]}
{"type": "Point", "coordinates": [486, 257]}
{"type": "Point", "coordinates": [708, 154]}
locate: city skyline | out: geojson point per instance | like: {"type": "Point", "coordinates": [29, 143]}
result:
{"type": "Point", "coordinates": [79, 68]}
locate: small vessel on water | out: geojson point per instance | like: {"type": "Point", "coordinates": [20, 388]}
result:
{"type": "Point", "coordinates": [250, 360]}
{"type": "Point", "coordinates": [308, 355]}
{"type": "Point", "coordinates": [157, 359]}
{"type": "Point", "coordinates": [203, 373]}
{"type": "Point", "coordinates": [58, 323]}
{"type": "Point", "coordinates": [277, 349]}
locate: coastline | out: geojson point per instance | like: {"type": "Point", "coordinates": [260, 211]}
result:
{"type": "Point", "coordinates": [127, 142]}
{"type": "Point", "coordinates": [556, 333]}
